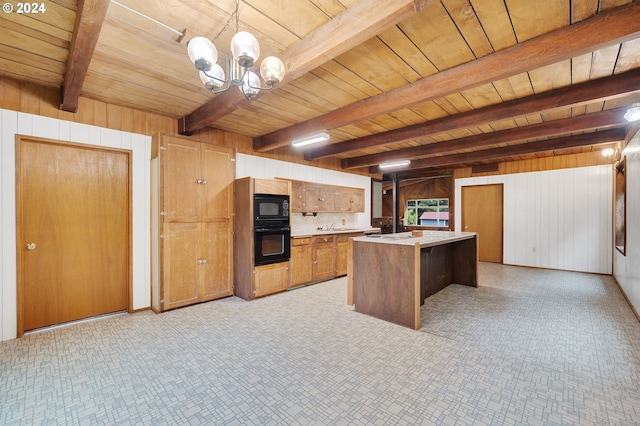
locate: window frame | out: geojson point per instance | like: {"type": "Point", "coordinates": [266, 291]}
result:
{"type": "Point", "coordinates": [424, 205]}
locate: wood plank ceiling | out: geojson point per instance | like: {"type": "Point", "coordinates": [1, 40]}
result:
{"type": "Point", "coordinates": [443, 83]}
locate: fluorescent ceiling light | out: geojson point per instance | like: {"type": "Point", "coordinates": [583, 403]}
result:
{"type": "Point", "coordinates": [307, 140]}
{"type": "Point", "coordinates": [633, 114]}
{"type": "Point", "coordinates": [392, 164]}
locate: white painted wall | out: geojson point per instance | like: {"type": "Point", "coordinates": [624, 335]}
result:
{"type": "Point", "coordinates": [260, 167]}
{"type": "Point", "coordinates": [12, 123]}
{"type": "Point", "coordinates": [558, 219]}
{"type": "Point", "coordinates": [627, 268]}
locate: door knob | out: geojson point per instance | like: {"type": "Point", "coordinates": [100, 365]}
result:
{"type": "Point", "coordinates": [31, 246]}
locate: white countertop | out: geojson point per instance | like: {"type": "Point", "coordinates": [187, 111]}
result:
{"type": "Point", "coordinates": [428, 238]}
{"type": "Point", "coordinates": [307, 233]}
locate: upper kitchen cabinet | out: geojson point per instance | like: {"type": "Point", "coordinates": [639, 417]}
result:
{"type": "Point", "coordinates": [311, 197]}
{"type": "Point", "coordinates": [195, 180]}
{"type": "Point", "coordinates": [192, 222]}
{"type": "Point", "coordinates": [349, 199]}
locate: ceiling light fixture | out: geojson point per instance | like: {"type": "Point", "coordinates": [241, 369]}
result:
{"type": "Point", "coordinates": [633, 113]}
{"type": "Point", "coordinates": [608, 152]}
{"type": "Point", "coordinates": [394, 164]}
{"type": "Point", "coordinates": [307, 140]}
{"type": "Point", "coordinates": [245, 51]}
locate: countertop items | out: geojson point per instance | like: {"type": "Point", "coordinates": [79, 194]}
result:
{"type": "Point", "coordinates": [428, 238]}
{"type": "Point", "coordinates": [338, 230]}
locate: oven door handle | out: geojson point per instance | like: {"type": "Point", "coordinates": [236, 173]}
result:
{"type": "Point", "coordinates": [272, 229]}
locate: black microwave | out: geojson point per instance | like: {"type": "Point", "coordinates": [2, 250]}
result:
{"type": "Point", "coordinates": [270, 208]}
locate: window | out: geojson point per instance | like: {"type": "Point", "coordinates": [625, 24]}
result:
{"type": "Point", "coordinates": [428, 212]}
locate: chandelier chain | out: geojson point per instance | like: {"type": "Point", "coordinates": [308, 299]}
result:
{"type": "Point", "coordinates": [226, 25]}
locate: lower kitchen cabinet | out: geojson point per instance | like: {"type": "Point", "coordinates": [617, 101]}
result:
{"type": "Point", "coordinates": [324, 257]}
{"type": "Point", "coordinates": [270, 279]}
{"type": "Point", "coordinates": [301, 261]}
{"type": "Point", "coordinates": [196, 263]}
{"type": "Point", "coordinates": [318, 258]}
{"type": "Point", "coordinates": [342, 252]}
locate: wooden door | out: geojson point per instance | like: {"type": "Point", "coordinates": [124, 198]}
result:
{"type": "Point", "coordinates": [482, 209]}
{"type": "Point", "coordinates": [180, 180]}
{"type": "Point", "coordinates": [73, 232]}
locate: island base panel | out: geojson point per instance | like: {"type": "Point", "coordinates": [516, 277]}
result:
{"type": "Point", "coordinates": [384, 282]}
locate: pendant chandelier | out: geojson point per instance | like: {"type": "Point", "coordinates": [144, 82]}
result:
{"type": "Point", "coordinates": [244, 53]}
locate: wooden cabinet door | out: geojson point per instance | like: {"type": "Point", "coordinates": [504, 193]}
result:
{"type": "Point", "coordinates": [324, 261]}
{"type": "Point", "coordinates": [297, 196]}
{"type": "Point", "coordinates": [327, 199]}
{"type": "Point", "coordinates": [341, 258]}
{"type": "Point", "coordinates": [180, 175]}
{"type": "Point", "coordinates": [311, 198]}
{"type": "Point", "coordinates": [270, 279]}
{"type": "Point", "coordinates": [349, 200]}
{"type": "Point", "coordinates": [357, 200]}
{"type": "Point", "coordinates": [181, 269]}
{"type": "Point", "coordinates": [343, 200]}
{"type": "Point", "coordinates": [301, 265]}
{"type": "Point", "coordinates": [217, 175]}
{"type": "Point", "coordinates": [216, 257]}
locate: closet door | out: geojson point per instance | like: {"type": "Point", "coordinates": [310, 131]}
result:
{"type": "Point", "coordinates": [482, 212]}
{"type": "Point", "coordinates": [73, 232]}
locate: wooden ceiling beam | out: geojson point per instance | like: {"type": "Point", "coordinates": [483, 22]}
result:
{"type": "Point", "coordinates": [586, 122]}
{"type": "Point", "coordinates": [360, 22]}
{"type": "Point", "coordinates": [605, 29]}
{"type": "Point", "coordinates": [90, 15]}
{"type": "Point", "coordinates": [571, 96]}
{"type": "Point", "coordinates": [503, 153]}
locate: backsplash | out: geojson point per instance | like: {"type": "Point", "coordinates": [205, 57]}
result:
{"type": "Point", "coordinates": [324, 220]}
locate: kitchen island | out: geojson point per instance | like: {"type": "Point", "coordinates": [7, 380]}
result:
{"type": "Point", "coordinates": [391, 275]}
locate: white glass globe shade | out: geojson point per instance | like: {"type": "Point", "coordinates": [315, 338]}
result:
{"type": "Point", "coordinates": [272, 70]}
{"type": "Point", "coordinates": [209, 81]}
{"type": "Point", "coordinates": [632, 114]}
{"type": "Point", "coordinates": [245, 48]}
{"type": "Point", "coordinates": [250, 85]}
{"type": "Point", "coordinates": [202, 53]}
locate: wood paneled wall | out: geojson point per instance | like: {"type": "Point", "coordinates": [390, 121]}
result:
{"type": "Point", "coordinates": [45, 101]}
{"type": "Point", "coordinates": [593, 158]}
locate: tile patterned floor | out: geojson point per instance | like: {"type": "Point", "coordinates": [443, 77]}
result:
{"type": "Point", "coordinates": [528, 347]}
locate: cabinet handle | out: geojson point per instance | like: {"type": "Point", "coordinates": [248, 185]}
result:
{"type": "Point", "coordinates": [204, 260]}
{"type": "Point", "coordinates": [199, 181]}
{"type": "Point", "coordinates": [199, 261]}
{"type": "Point", "coordinates": [204, 181]}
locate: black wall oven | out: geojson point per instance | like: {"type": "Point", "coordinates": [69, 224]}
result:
{"type": "Point", "coordinates": [272, 233]}
{"type": "Point", "coordinates": [272, 244]}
